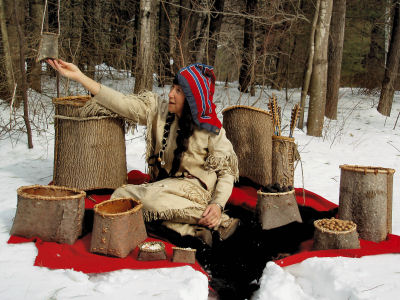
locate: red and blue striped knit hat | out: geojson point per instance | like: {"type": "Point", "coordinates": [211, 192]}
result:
{"type": "Point", "coordinates": [198, 85]}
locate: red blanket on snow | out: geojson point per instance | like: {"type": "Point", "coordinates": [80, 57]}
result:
{"type": "Point", "coordinates": [78, 257]}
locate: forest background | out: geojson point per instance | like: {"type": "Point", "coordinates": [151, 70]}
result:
{"type": "Point", "coordinates": [279, 44]}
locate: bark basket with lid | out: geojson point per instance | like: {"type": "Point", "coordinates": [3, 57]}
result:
{"type": "Point", "coordinates": [250, 130]}
{"type": "Point", "coordinates": [51, 213]}
{"type": "Point", "coordinates": [366, 199]}
{"type": "Point", "coordinates": [89, 151]}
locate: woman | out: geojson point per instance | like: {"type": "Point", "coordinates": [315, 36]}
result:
{"type": "Point", "coordinates": [191, 161]}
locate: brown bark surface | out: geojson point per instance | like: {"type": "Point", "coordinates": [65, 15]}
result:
{"type": "Point", "coordinates": [250, 132]}
{"type": "Point", "coordinates": [283, 153]}
{"type": "Point", "coordinates": [335, 57]}
{"type": "Point", "coordinates": [366, 199]}
{"type": "Point", "coordinates": [118, 227]}
{"type": "Point", "coordinates": [52, 213]}
{"type": "Point", "coordinates": [318, 81]}
{"type": "Point", "coordinates": [392, 66]}
{"type": "Point", "coordinates": [88, 153]}
{"type": "Point", "coordinates": [7, 54]}
{"type": "Point", "coordinates": [145, 60]}
{"type": "Point", "coordinates": [329, 239]}
{"type": "Point", "coordinates": [277, 209]}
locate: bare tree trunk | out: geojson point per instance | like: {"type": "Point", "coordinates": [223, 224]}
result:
{"type": "Point", "coordinates": [318, 82]}
{"type": "Point", "coordinates": [14, 42]}
{"type": "Point", "coordinates": [335, 57]}
{"type": "Point", "coordinates": [215, 27]}
{"type": "Point", "coordinates": [136, 34]}
{"type": "Point", "coordinates": [8, 90]}
{"type": "Point", "coordinates": [164, 67]}
{"type": "Point", "coordinates": [145, 61]}
{"type": "Point", "coordinates": [246, 70]}
{"type": "Point", "coordinates": [392, 65]}
{"type": "Point", "coordinates": [35, 68]}
{"type": "Point", "coordinates": [24, 85]}
{"type": "Point", "coordinates": [309, 67]}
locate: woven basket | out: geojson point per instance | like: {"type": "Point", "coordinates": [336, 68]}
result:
{"type": "Point", "coordinates": [365, 198]}
{"type": "Point", "coordinates": [283, 156]}
{"type": "Point", "coordinates": [89, 153]}
{"type": "Point", "coordinates": [51, 213]}
{"type": "Point", "coordinates": [277, 209]}
{"type": "Point", "coordinates": [250, 130]}
{"type": "Point", "coordinates": [48, 46]}
{"type": "Point", "coordinates": [325, 239]}
{"type": "Point", "coordinates": [118, 227]}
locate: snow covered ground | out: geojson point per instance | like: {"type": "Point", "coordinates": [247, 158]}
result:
{"type": "Point", "coordinates": [360, 136]}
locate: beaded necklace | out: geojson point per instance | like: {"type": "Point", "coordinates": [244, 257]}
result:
{"type": "Point", "coordinates": [167, 127]}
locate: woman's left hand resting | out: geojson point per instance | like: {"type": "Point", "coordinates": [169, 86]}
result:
{"type": "Point", "coordinates": [211, 216]}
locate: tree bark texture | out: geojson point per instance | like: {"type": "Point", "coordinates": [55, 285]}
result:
{"type": "Point", "coordinates": [318, 81]}
{"type": "Point", "coordinates": [365, 198]}
{"type": "Point", "coordinates": [23, 79]}
{"type": "Point", "coordinates": [89, 152]}
{"type": "Point", "coordinates": [250, 131]}
{"type": "Point", "coordinates": [51, 213]}
{"type": "Point", "coordinates": [8, 66]}
{"type": "Point", "coordinates": [34, 68]}
{"type": "Point", "coordinates": [309, 67]}
{"type": "Point", "coordinates": [283, 155]}
{"type": "Point", "coordinates": [215, 28]}
{"type": "Point", "coordinates": [118, 227]}
{"type": "Point", "coordinates": [335, 57]}
{"type": "Point", "coordinates": [392, 66]}
{"type": "Point", "coordinates": [145, 59]}
{"type": "Point", "coordinates": [246, 70]}
{"type": "Point", "coordinates": [277, 209]}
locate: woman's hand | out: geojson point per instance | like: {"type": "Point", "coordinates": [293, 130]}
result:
{"type": "Point", "coordinates": [211, 216]}
{"type": "Point", "coordinates": [71, 71]}
{"type": "Point", "coordinates": [65, 69]}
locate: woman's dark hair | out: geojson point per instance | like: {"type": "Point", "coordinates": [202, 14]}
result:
{"type": "Point", "coordinates": [185, 131]}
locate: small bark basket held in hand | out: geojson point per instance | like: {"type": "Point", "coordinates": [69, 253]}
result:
{"type": "Point", "coordinates": [277, 209]}
{"type": "Point", "coordinates": [51, 213]}
{"type": "Point", "coordinates": [89, 152]}
{"type": "Point", "coordinates": [365, 198]}
{"type": "Point", "coordinates": [118, 227]}
{"type": "Point", "coordinates": [48, 47]}
{"type": "Point", "coordinates": [250, 130]}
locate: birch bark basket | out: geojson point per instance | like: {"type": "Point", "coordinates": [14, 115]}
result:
{"type": "Point", "coordinates": [89, 152]}
{"type": "Point", "coordinates": [250, 130]}
{"type": "Point", "coordinates": [366, 199]}
{"type": "Point", "coordinates": [283, 155]}
{"type": "Point", "coordinates": [51, 213]}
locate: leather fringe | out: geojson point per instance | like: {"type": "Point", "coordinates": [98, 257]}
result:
{"type": "Point", "coordinates": [223, 164]}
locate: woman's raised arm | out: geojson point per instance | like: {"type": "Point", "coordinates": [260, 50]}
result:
{"type": "Point", "coordinates": [71, 71]}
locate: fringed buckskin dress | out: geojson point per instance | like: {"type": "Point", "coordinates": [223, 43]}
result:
{"type": "Point", "coordinates": [206, 175]}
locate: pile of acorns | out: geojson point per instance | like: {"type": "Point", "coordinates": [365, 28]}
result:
{"type": "Point", "coordinates": [276, 188]}
{"type": "Point", "coordinates": [334, 224]}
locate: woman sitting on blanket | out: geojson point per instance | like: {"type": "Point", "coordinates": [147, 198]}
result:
{"type": "Point", "coordinates": [191, 162]}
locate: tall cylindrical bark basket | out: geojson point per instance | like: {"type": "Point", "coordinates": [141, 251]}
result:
{"type": "Point", "coordinates": [118, 227]}
{"type": "Point", "coordinates": [89, 152]}
{"type": "Point", "coordinates": [366, 199]}
{"type": "Point", "coordinates": [250, 131]}
{"type": "Point", "coordinates": [277, 209]}
{"type": "Point", "coordinates": [283, 155]}
{"type": "Point", "coordinates": [51, 213]}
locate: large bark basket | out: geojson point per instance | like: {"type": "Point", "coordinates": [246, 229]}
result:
{"type": "Point", "coordinates": [89, 152]}
{"type": "Point", "coordinates": [250, 131]}
{"type": "Point", "coordinates": [118, 227]}
{"type": "Point", "coordinates": [51, 213]}
{"type": "Point", "coordinates": [277, 209]}
{"type": "Point", "coordinates": [283, 156]}
{"type": "Point", "coordinates": [366, 199]}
